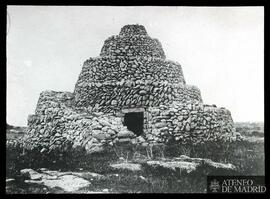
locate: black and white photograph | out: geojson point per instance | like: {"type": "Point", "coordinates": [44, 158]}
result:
{"type": "Point", "coordinates": [134, 99]}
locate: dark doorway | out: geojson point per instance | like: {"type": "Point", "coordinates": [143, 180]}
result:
{"type": "Point", "coordinates": [134, 122]}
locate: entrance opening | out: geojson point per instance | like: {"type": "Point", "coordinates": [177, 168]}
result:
{"type": "Point", "coordinates": [134, 122]}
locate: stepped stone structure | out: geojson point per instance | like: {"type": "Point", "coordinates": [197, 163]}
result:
{"type": "Point", "coordinates": [130, 93]}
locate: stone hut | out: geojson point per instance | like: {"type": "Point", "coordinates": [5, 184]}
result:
{"type": "Point", "coordinates": [129, 93]}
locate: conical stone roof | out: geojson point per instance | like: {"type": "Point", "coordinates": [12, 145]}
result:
{"type": "Point", "coordinates": [132, 71]}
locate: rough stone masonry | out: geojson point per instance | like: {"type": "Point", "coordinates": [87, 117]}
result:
{"type": "Point", "coordinates": [130, 93]}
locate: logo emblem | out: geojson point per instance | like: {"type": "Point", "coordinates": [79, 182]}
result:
{"type": "Point", "coordinates": [214, 186]}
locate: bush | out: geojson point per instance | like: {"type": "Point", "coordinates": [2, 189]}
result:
{"type": "Point", "coordinates": [13, 155]}
{"type": "Point", "coordinates": [18, 158]}
{"type": "Point", "coordinates": [247, 156]}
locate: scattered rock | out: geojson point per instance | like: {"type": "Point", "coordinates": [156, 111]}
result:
{"type": "Point", "coordinates": [10, 181]}
{"type": "Point", "coordinates": [127, 166]}
{"type": "Point", "coordinates": [68, 181]}
{"type": "Point", "coordinates": [188, 166]}
{"type": "Point", "coordinates": [95, 148]}
{"type": "Point", "coordinates": [125, 134]}
{"type": "Point", "coordinates": [98, 134]}
{"type": "Point", "coordinates": [31, 174]}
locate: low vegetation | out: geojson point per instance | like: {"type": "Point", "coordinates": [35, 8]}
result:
{"type": "Point", "coordinates": [248, 157]}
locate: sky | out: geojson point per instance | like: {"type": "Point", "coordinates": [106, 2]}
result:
{"type": "Point", "coordinates": [220, 49]}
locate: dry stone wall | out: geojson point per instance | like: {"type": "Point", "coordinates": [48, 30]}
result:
{"type": "Point", "coordinates": [132, 41]}
{"type": "Point", "coordinates": [132, 45]}
{"type": "Point", "coordinates": [133, 30]}
{"type": "Point", "coordinates": [189, 123]}
{"type": "Point", "coordinates": [130, 73]}
{"type": "Point", "coordinates": [117, 68]}
{"type": "Point", "coordinates": [110, 97]}
{"type": "Point", "coordinates": [57, 124]}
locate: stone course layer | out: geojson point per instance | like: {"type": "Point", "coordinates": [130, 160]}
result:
{"type": "Point", "coordinates": [132, 72]}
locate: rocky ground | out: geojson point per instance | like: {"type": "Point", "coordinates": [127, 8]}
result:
{"type": "Point", "coordinates": [141, 174]}
{"type": "Point", "coordinates": [124, 177]}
